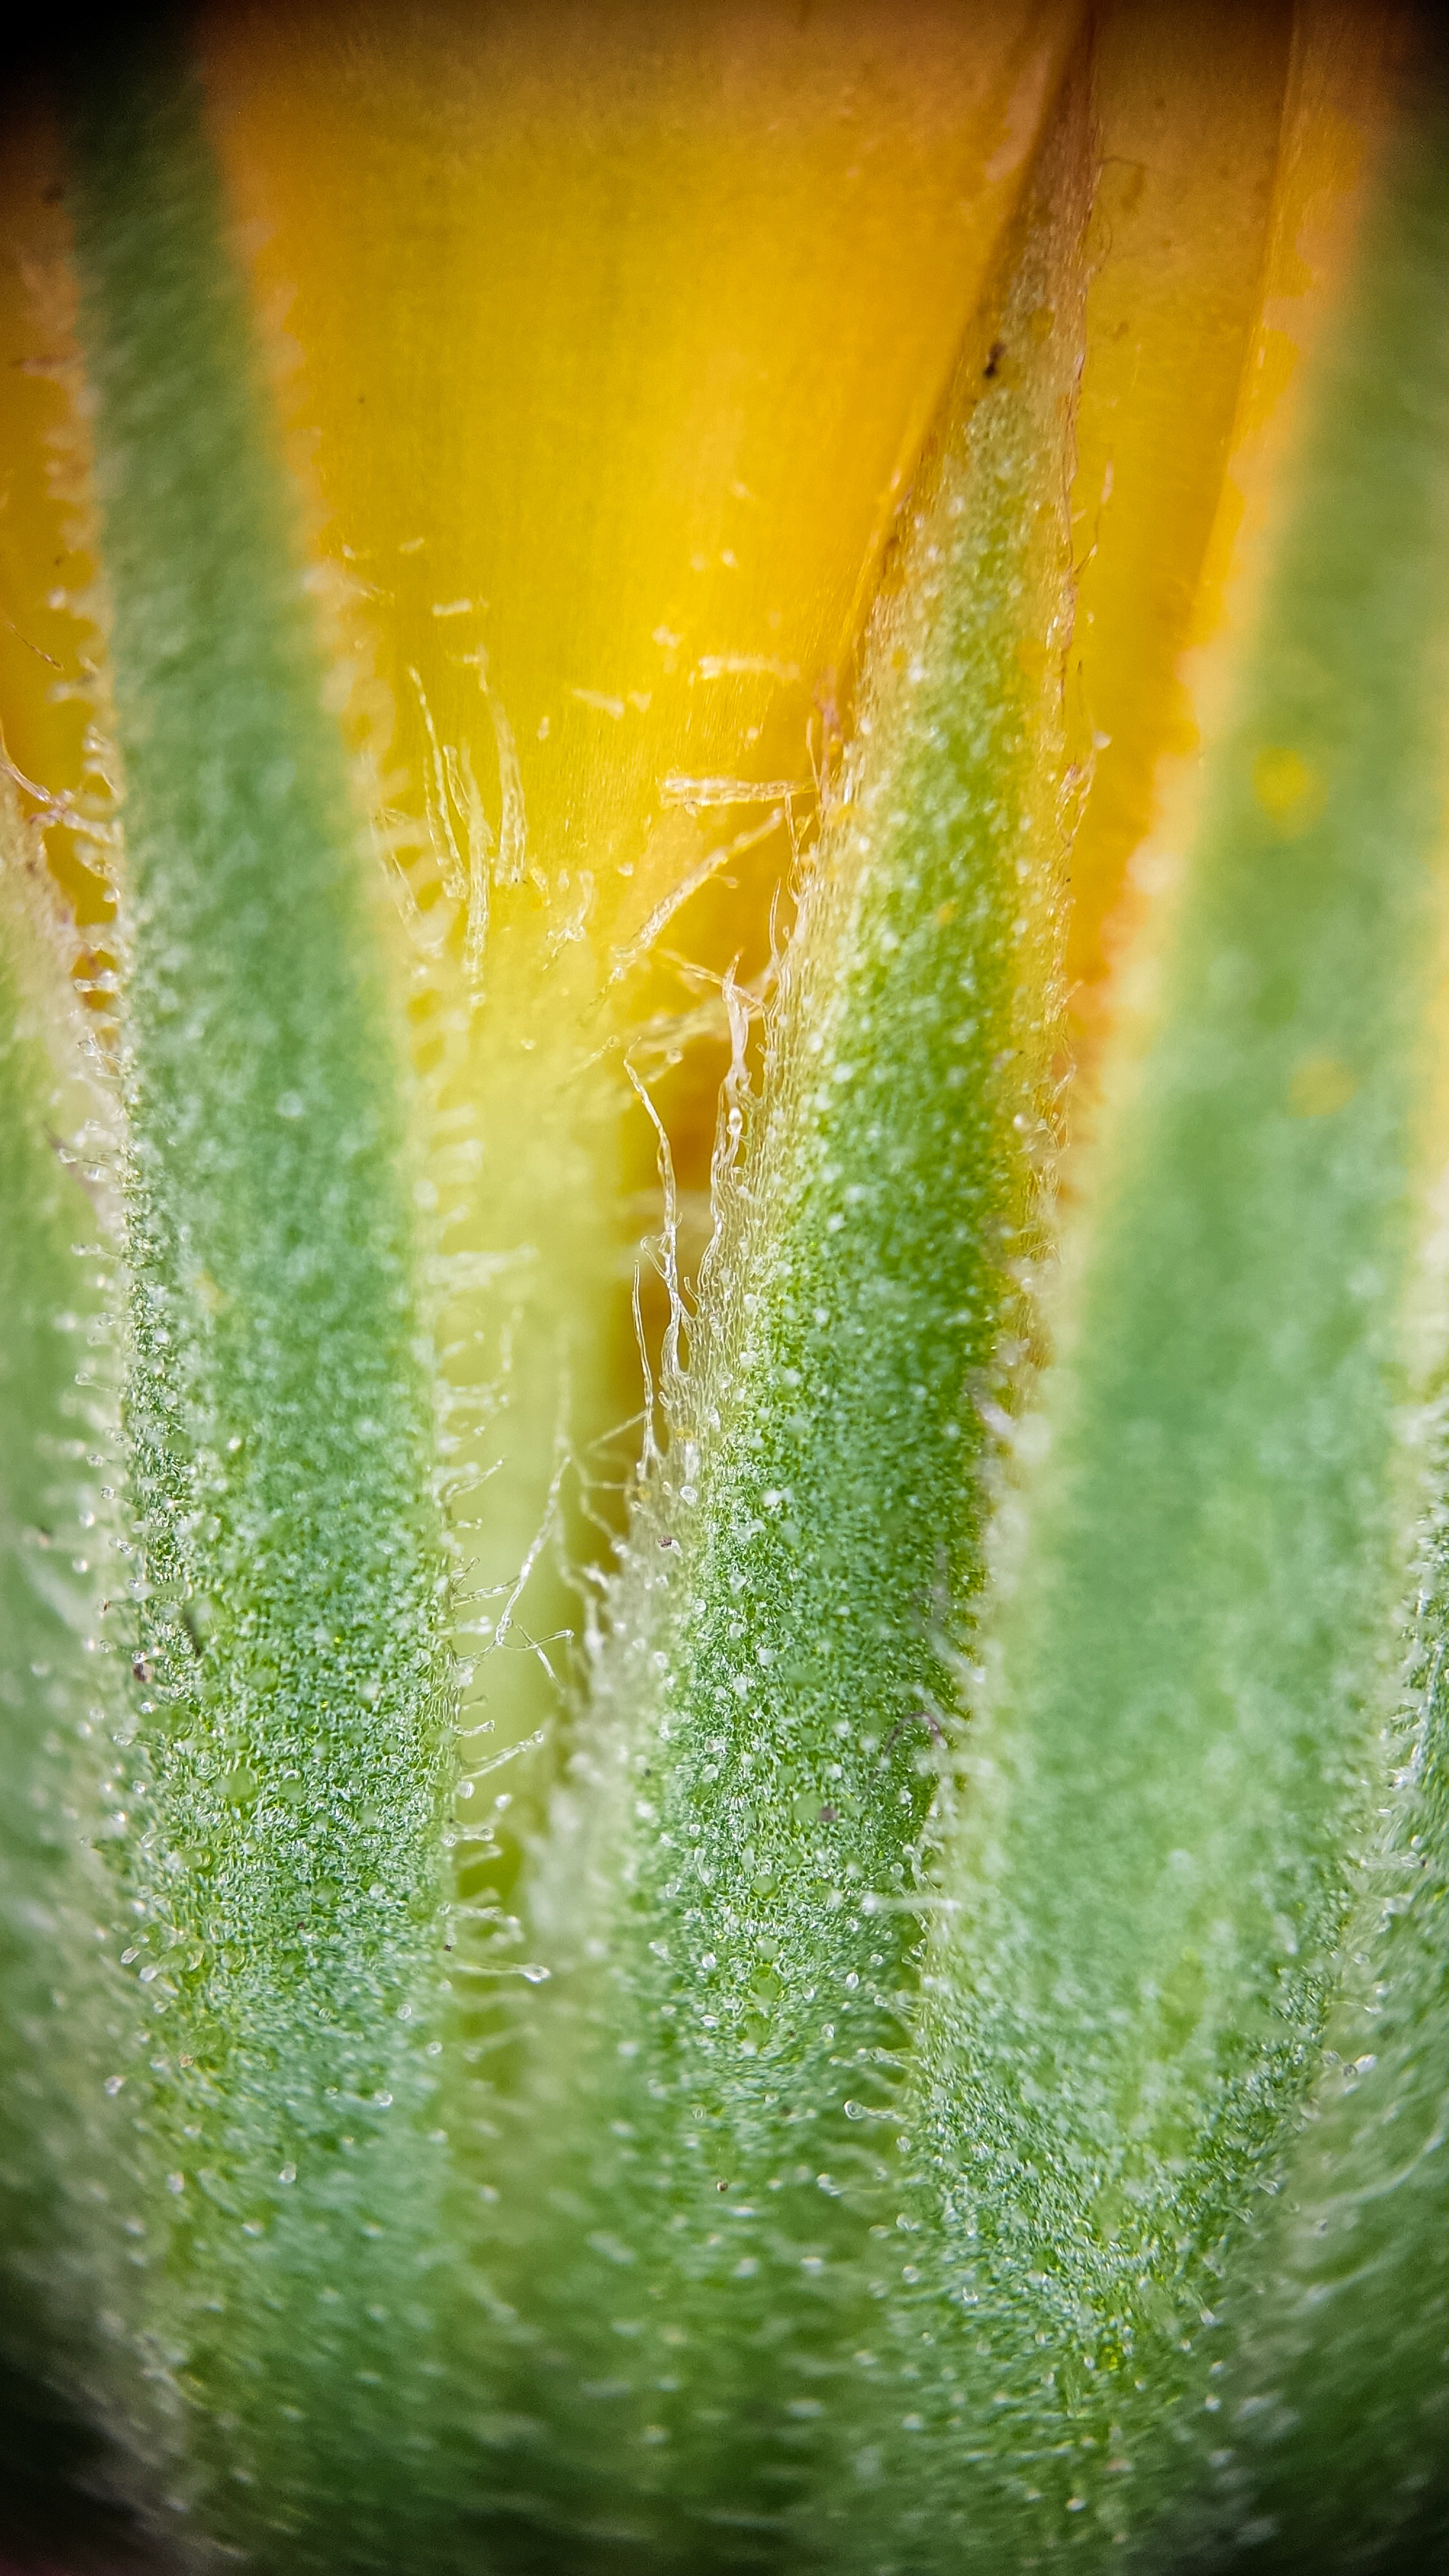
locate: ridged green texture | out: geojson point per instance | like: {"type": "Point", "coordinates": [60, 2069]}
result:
{"type": "Point", "coordinates": [804, 2237]}
{"type": "Point", "coordinates": [50, 1423]}
{"type": "Point", "coordinates": [1334, 2407]}
{"type": "Point", "coordinates": [282, 1750]}
{"type": "Point", "coordinates": [737, 1931]}
{"type": "Point", "coordinates": [1180, 1742]}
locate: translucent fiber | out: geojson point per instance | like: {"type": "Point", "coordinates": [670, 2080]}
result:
{"type": "Point", "coordinates": [964, 2084]}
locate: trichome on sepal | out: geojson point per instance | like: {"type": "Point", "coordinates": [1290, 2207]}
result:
{"type": "Point", "coordinates": [731, 1896]}
{"type": "Point", "coordinates": [58, 1282]}
{"type": "Point", "coordinates": [740, 2288]}
{"type": "Point", "coordinates": [1184, 1742]}
{"type": "Point", "coordinates": [280, 1675]}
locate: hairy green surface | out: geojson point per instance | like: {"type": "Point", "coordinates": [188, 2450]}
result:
{"type": "Point", "coordinates": [281, 1751]}
{"type": "Point", "coordinates": [732, 1908]}
{"type": "Point", "coordinates": [983, 2086]}
{"type": "Point", "coordinates": [53, 1414]}
{"type": "Point", "coordinates": [1333, 2407]}
{"type": "Point", "coordinates": [1179, 1741]}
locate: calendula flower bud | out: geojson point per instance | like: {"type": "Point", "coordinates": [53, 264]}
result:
{"type": "Point", "coordinates": [722, 1588]}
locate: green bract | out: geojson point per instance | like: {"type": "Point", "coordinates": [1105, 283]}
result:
{"type": "Point", "coordinates": [972, 2084]}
